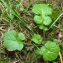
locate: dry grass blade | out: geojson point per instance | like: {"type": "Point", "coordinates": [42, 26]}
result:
{"type": "Point", "coordinates": [60, 57]}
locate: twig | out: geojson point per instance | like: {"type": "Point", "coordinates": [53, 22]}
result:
{"type": "Point", "coordinates": [60, 57]}
{"type": "Point", "coordinates": [59, 40]}
{"type": "Point", "coordinates": [60, 34]}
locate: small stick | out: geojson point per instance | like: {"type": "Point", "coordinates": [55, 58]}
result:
{"type": "Point", "coordinates": [60, 57]}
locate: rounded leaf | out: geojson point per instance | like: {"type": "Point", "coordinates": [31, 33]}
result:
{"type": "Point", "coordinates": [50, 51]}
{"type": "Point", "coordinates": [47, 20]}
{"type": "Point", "coordinates": [37, 9]}
{"type": "Point", "coordinates": [37, 38]}
{"type": "Point", "coordinates": [12, 42]}
{"type": "Point", "coordinates": [13, 45]}
{"type": "Point", "coordinates": [21, 36]}
{"type": "Point", "coordinates": [38, 19]}
{"type": "Point", "coordinates": [42, 9]}
{"type": "Point", "coordinates": [43, 27]}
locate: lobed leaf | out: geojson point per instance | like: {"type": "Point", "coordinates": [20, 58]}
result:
{"type": "Point", "coordinates": [50, 51]}
{"type": "Point", "coordinates": [42, 9]}
{"type": "Point", "coordinates": [47, 20]}
{"type": "Point", "coordinates": [38, 19]}
{"type": "Point", "coordinates": [13, 41]}
{"type": "Point", "coordinates": [42, 18]}
{"type": "Point", "coordinates": [43, 27]}
{"type": "Point", "coordinates": [21, 36]}
{"type": "Point", "coordinates": [37, 39]}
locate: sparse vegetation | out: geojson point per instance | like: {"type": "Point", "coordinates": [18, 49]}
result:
{"type": "Point", "coordinates": [31, 31]}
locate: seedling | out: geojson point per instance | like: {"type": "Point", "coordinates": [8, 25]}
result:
{"type": "Point", "coordinates": [50, 51]}
{"type": "Point", "coordinates": [37, 39]}
{"type": "Point", "coordinates": [13, 41]}
{"type": "Point", "coordinates": [42, 17]}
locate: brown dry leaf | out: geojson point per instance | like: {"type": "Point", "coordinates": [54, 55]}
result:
{"type": "Point", "coordinates": [30, 48]}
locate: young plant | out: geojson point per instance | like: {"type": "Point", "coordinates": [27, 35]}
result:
{"type": "Point", "coordinates": [37, 39]}
{"type": "Point", "coordinates": [13, 41]}
{"type": "Point", "coordinates": [42, 17]}
{"type": "Point", "coordinates": [50, 51]}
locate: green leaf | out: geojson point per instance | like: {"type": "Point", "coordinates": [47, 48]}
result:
{"type": "Point", "coordinates": [21, 36]}
{"type": "Point", "coordinates": [47, 20]}
{"type": "Point", "coordinates": [38, 19]}
{"type": "Point", "coordinates": [43, 27]}
{"type": "Point", "coordinates": [42, 9]}
{"type": "Point", "coordinates": [38, 51]}
{"type": "Point", "coordinates": [37, 39]}
{"type": "Point", "coordinates": [37, 8]}
{"type": "Point", "coordinates": [12, 42]}
{"type": "Point", "coordinates": [42, 18]}
{"type": "Point", "coordinates": [50, 51]}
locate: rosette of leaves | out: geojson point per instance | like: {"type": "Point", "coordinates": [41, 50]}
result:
{"type": "Point", "coordinates": [37, 39]}
{"type": "Point", "coordinates": [50, 51]}
{"type": "Point", "coordinates": [13, 41]}
{"type": "Point", "coordinates": [42, 17]}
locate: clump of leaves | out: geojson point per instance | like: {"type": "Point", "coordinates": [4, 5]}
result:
{"type": "Point", "coordinates": [13, 41]}
{"type": "Point", "coordinates": [49, 51]}
{"type": "Point", "coordinates": [42, 17]}
{"type": "Point", "coordinates": [37, 39]}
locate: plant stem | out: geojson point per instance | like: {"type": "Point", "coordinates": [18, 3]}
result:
{"type": "Point", "coordinates": [36, 46]}
{"type": "Point", "coordinates": [31, 44]}
{"type": "Point", "coordinates": [26, 43]}
{"type": "Point", "coordinates": [56, 20]}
